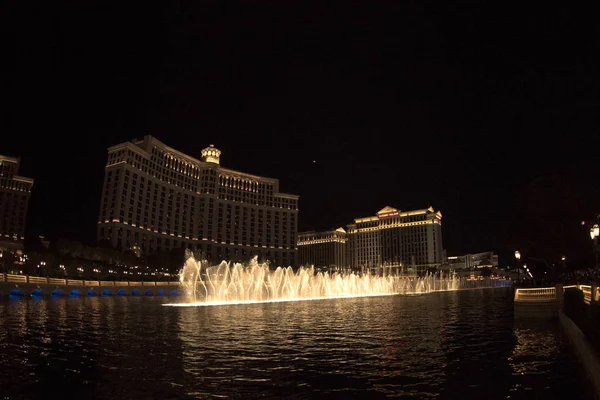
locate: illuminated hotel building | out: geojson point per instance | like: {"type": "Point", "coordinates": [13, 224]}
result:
{"type": "Point", "coordinates": [393, 238]}
{"type": "Point", "coordinates": [323, 249]}
{"type": "Point", "coordinates": [471, 261]}
{"type": "Point", "coordinates": [14, 199]}
{"type": "Point", "coordinates": [157, 198]}
{"type": "Point", "coordinates": [408, 241]}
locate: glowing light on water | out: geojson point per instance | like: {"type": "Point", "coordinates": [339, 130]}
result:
{"type": "Point", "coordinates": [224, 303]}
{"type": "Point", "coordinates": [234, 283]}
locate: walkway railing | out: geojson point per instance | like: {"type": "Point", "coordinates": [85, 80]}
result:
{"type": "Point", "coordinates": [536, 294]}
{"type": "Point", "coordinates": [77, 282]}
{"type": "Point", "coordinates": [549, 293]}
{"type": "Point", "coordinates": [587, 293]}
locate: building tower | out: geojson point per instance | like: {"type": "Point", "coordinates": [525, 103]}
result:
{"type": "Point", "coordinates": [14, 200]}
{"type": "Point", "coordinates": [157, 198]}
{"type": "Point", "coordinates": [323, 250]}
{"type": "Point", "coordinates": [407, 241]}
{"type": "Point", "coordinates": [391, 241]}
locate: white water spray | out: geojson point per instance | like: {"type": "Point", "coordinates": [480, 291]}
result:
{"type": "Point", "coordinates": [234, 283]}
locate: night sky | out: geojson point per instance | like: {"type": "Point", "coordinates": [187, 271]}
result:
{"type": "Point", "coordinates": [487, 114]}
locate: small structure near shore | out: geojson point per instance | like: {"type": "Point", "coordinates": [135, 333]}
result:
{"type": "Point", "coordinates": [546, 302]}
{"type": "Point", "coordinates": [538, 302]}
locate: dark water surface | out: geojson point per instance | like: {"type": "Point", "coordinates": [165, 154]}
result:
{"type": "Point", "coordinates": [463, 345]}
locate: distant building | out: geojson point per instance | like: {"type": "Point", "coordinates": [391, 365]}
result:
{"type": "Point", "coordinates": [157, 198]}
{"type": "Point", "coordinates": [472, 261]}
{"type": "Point", "coordinates": [408, 241]}
{"type": "Point", "coordinates": [14, 200]}
{"type": "Point", "coordinates": [324, 250]}
{"type": "Point", "coordinates": [393, 241]}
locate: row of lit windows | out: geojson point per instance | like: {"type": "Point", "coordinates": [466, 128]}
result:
{"type": "Point", "coordinates": [285, 244]}
{"type": "Point", "coordinates": [13, 184]}
{"type": "Point", "coordinates": [182, 166]}
{"type": "Point", "coordinates": [12, 209]}
{"type": "Point", "coordinates": [161, 165]}
{"type": "Point", "coordinates": [322, 254]}
{"type": "Point", "coordinates": [185, 174]}
{"type": "Point", "coordinates": [400, 220]}
{"type": "Point", "coordinates": [126, 238]}
{"type": "Point", "coordinates": [181, 218]}
{"type": "Point", "coordinates": [175, 206]}
{"type": "Point", "coordinates": [239, 183]}
{"type": "Point", "coordinates": [227, 231]}
{"type": "Point", "coordinates": [12, 229]}
{"type": "Point", "coordinates": [8, 168]}
{"type": "Point", "coordinates": [13, 197]}
{"type": "Point", "coordinates": [251, 197]}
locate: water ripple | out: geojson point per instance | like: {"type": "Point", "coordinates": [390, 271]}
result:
{"type": "Point", "coordinates": [441, 345]}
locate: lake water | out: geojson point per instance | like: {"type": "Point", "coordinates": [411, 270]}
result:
{"type": "Point", "coordinates": [446, 345]}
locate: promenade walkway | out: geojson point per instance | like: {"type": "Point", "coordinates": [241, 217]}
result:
{"type": "Point", "coordinates": [24, 285]}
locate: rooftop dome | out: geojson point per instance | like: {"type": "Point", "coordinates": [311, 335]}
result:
{"type": "Point", "coordinates": [211, 154]}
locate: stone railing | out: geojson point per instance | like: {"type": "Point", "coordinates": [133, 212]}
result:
{"type": "Point", "coordinates": [76, 282]}
{"type": "Point", "coordinates": [549, 294]}
{"type": "Point", "coordinates": [536, 294]}
{"type": "Point", "coordinates": [587, 293]}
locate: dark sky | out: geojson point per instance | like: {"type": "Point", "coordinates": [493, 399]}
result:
{"type": "Point", "coordinates": [457, 106]}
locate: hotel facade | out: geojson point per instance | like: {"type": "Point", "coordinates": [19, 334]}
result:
{"type": "Point", "coordinates": [485, 259]}
{"type": "Point", "coordinates": [406, 241]}
{"type": "Point", "coordinates": [15, 191]}
{"type": "Point", "coordinates": [325, 250]}
{"type": "Point", "coordinates": [157, 198]}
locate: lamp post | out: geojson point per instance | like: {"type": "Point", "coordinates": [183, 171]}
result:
{"type": "Point", "coordinates": [518, 257]}
{"type": "Point", "coordinates": [594, 233]}
{"type": "Point", "coordinates": [526, 269]}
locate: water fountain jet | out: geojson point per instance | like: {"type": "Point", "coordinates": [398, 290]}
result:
{"type": "Point", "coordinates": [235, 283]}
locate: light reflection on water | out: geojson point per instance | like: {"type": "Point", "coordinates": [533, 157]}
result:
{"type": "Point", "coordinates": [462, 344]}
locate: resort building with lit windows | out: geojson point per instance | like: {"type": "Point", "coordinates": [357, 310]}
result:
{"type": "Point", "coordinates": [391, 241]}
{"type": "Point", "coordinates": [473, 261]}
{"type": "Point", "coordinates": [15, 191]}
{"type": "Point", "coordinates": [324, 250]}
{"type": "Point", "coordinates": [157, 198]}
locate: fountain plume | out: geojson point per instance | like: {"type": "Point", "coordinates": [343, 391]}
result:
{"type": "Point", "coordinates": [230, 283]}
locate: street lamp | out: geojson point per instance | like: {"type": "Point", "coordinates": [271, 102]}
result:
{"type": "Point", "coordinates": [528, 272]}
{"type": "Point", "coordinates": [594, 233]}
{"type": "Point", "coordinates": [518, 257]}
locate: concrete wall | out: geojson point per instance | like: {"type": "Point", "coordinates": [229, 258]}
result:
{"type": "Point", "coordinates": [536, 310]}
{"type": "Point", "coordinates": [584, 350]}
